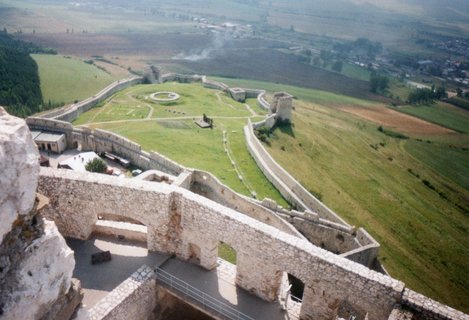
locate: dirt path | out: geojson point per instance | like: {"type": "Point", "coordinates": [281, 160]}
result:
{"type": "Point", "coordinates": [99, 112]}
{"type": "Point", "coordinates": [253, 113]}
{"type": "Point", "coordinates": [221, 101]}
{"type": "Point", "coordinates": [150, 113]}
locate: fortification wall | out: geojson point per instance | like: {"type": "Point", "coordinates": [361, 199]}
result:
{"type": "Point", "coordinates": [424, 308]}
{"type": "Point", "coordinates": [70, 113]}
{"type": "Point", "coordinates": [332, 239]}
{"type": "Point", "coordinates": [135, 298]}
{"type": "Point", "coordinates": [367, 252]}
{"type": "Point", "coordinates": [291, 189]}
{"type": "Point", "coordinates": [178, 219]}
{"type": "Point", "coordinates": [262, 102]}
{"type": "Point", "coordinates": [207, 185]}
{"type": "Point", "coordinates": [214, 84]}
{"type": "Point", "coordinates": [98, 140]}
{"type": "Point", "coordinates": [268, 122]}
{"type": "Point", "coordinates": [253, 93]}
{"type": "Point", "coordinates": [355, 245]}
{"type": "Point", "coordinates": [183, 78]}
{"type": "Point", "coordinates": [49, 124]}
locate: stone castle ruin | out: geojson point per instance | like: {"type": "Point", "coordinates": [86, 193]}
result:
{"type": "Point", "coordinates": [188, 214]}
{"type": "Point", "coordinates": [282, 106]}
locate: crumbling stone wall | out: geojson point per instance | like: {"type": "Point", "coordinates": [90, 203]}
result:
{"type": "Point", "coordinates": [237, 94]}
{"type": "Point", "coordinates": [424, 308]}
{"type": "Point", "coordinates": [282, 105]}
{"type": "Point", "coordinates": [207, 185]}
{"type": "Point", "coordinates": [135, 298]}
{"type": "Point", "coordinates": [177, 218]}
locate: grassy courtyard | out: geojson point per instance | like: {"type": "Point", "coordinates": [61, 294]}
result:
{"type": "Point", "coordinates": [169, 128]}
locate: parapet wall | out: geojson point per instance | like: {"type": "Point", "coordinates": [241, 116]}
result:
{"type": "Point", "coordinates": [178, 220]}
{"type": "Point", "coordinates": [99, 141]}
{"type": "Point", "coordinates": [72, 112]}
{"type": "Point", "coordinates": [207, 185]}
{"type": "Point", "coordinates": [214, 84]}
{"type": "Point", "coordinates": [183, 78]}
{"type": "Point", "coordinates": [135, 298]}
{"type": "Point", "coordinates": [424, 308]}
{"type": "Point", "coordinates": [262, 102]}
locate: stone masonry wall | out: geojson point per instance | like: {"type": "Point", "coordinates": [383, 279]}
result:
{"type": "Point", "coordinates": [135, 298]}
{"type": "Point", "coordinates": [104, 141]}
{"type": "Point", "coordinates": [72, 112]}
{"type": "Point", "coordinates": [177, 218]}
{"type": "Point", "coordinates": [331, 239]}
{"type": "Point", "coordinates": [207, 185]}
{"type": "Point", "coordinates": [262, 102]}
{"type": "Point", "coordinates": [425, 308]}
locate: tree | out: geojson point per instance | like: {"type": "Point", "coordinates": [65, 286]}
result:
{"type": "Point", "coordinates": [337, 66]}
{"type": "Point", "coordinates": [378, 82]}
{"type": "Point", "coordinates": [96, 165]}
{"type": "Point", "coordinates": [425, 95]}
{"type": "Point", "coordinates": [440, 93]}
{"type": "Point", "coordinates": [316, 61]}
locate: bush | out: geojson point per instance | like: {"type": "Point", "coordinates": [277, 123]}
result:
{"type": "Point", "coordinates": [96, 165]}
{"type": "Point", "coordinates": [263, 133]}
{"type": "Point", "coordinates": [392, 134]}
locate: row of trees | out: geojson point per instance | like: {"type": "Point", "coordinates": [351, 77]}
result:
{"type": "Point", "coordinates": [20, 91]}
{"type": "Point", "coordinates": [462, 94]}
{"type": "Point", "coordinates": [361, 46]}
{"type": "Point", "coordinates": [425, 95]}
{"type": "Point", "coordinates": [378, 82]}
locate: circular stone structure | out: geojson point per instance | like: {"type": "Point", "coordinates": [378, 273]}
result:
{"type": "Point", "coordinates": [164, 96]}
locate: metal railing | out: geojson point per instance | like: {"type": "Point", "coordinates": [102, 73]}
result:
{"type": "Point", "coordinates": [201, 297]}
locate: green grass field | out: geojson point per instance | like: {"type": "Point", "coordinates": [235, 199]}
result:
{"type": "Point", "coordinates": [171, 131]}
{"type": "Point", "coordinates": [423, 230]}
{"type": "Point", "coordinates": [353, 71]}
{"type": "Point", "coordinates": [448, 158]}
{"type": "Point", "coordinates": [440, 113]}
{"type": "Point", "coordinates": [64, 80]}
{"type": "Point", "coordinates": [227, 253]}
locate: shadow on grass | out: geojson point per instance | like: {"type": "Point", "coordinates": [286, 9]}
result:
{"type": "Point", "coordinates": [286, 128]}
